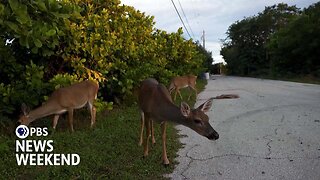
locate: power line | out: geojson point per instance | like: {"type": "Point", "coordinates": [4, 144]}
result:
{"type": "Point", "coordinates": [186, 18]}
{"type": "Point", "coordinates": [180, 18]}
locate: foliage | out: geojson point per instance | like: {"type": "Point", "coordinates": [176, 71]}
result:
{"type": "Point", "coordinates": [36, 25]}
{"type": "Point", "coordinates": [245, 48]}
{"type": "Point", "coordinates": [31, 33]}
{"type": "Point", "coordinates": [26, 89]}
{"type": "Point", "coordinates": [207, 56]}
{"type": "Point", "coordinates": [63, 80]}
{"type": "Point", "coordinates": [130, 50]}
{"type": "Point", "coordinates": [282, 41]}
{"type": "Point", "coordinates": [219, 68]}
{"type": "Point", "coordinates": [295, 48]}
{"type": "Point", "coordinates": [47, 44]}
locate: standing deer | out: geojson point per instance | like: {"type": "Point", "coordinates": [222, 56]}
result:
{"type": "Point", "coordinates": [156, 105]}
{"type": "Point", "coordinates": [180, 82]}
{"type": "Point", "coordinates": [65, 99]}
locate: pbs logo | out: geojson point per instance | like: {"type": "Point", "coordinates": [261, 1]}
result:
{"type": "Point", "coordinates": [22, 131]}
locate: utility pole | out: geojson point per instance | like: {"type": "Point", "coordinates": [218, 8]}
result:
{"type": "Point", "coordinates": [203, 39]}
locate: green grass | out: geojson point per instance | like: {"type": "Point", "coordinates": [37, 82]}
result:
{"type": "Point", "coordinates": [304, 79]}
{"type": "Point", "coordinates": [301, 79]}
{"type": "Point", "coordinates": [108, 151]}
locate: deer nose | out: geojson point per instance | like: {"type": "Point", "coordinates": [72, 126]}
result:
{"type": "Point", "coordinates": [213, 136]}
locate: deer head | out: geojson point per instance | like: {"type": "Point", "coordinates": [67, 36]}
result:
{"type": "Point", "coordinates": [198, 121]}
{"type": "Point", "coordinates": [24, 119]}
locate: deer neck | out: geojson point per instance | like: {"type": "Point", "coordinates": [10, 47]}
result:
{"type": "Point", "coordinates": [172, 113]}
{"type": "Point", "coordinates": [42, 111]}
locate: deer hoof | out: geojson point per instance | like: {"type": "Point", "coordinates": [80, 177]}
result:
{"type": "Point", "coordinates": [145, 154]}
{"type": "Point", "coordinates": [166, 163]}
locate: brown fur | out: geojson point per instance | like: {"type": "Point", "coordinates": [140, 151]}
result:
{"type": "Point", "coordinates": [65, 100]}
{"type": "Point", "coordinates": [156, 105]}
{"type": "Point", "coordinates": [181, 82]}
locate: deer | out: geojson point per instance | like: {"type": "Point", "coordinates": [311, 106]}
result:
{"type": "Point", "coordinates": [156, 104]}
{"type": "Point", "coordinates": [180, 82]}
{"type": "Point", "coordinates": [63, 100]}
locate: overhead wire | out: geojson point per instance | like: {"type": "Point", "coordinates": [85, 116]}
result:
{"type": "Point", "coordinates": [184, 14]}
{"type": "Point", "coordinates": [180, 18]}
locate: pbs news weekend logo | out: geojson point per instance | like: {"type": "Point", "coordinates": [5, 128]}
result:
{"type": "Point", "coordinates": [39, 152]}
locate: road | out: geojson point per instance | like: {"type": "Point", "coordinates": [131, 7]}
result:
{"type": "Point", "coordinates": [271, 132]}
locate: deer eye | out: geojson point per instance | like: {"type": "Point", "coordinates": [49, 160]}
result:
{"type": "Point", "coordinates": [197, 121]}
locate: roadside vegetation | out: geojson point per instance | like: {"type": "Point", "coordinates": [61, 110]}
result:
{"type": "Point", "coordinates": [108, 151]}
{"type": "Point", "coordinates": [309, 79]}
{"type": "Point", "coordinates": [281, 42]}
{"type": "Point", "coordinates": [49, 44]}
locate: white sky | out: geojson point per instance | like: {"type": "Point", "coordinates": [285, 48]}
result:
{"type": "Point", "coordinates": [212, 16]}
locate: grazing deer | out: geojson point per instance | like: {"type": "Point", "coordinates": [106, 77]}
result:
{"type": "Point", "coordinates": [180, 82]}
{"type": "Point", "coordinates": [156, 105]}
{"type": "Point", "coordinates": [65, 99]}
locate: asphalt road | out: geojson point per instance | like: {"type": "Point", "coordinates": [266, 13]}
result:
{"type": "Point", "coordinates": [271, 132]}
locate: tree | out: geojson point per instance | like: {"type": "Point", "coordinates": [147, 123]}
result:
{"type": "Point", "coordinates": [244, 50]}
{"type": "Point", "coordinates": [294, 48]}
{"type": "Point", "coordinates": [207, 56]}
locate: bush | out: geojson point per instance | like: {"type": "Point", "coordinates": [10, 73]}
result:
{"type": "Point", "coordinates": [50, 44]}
{"type": "Point", "coordinates": [28, 88]}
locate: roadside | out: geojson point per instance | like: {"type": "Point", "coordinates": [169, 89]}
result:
{"type": "Point", "coordinates": [299, 79]}
{"type": "Point", "coordinates": [271, 132]}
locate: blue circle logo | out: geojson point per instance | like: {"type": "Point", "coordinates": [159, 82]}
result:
{"type": "Point", "coordinates": [22, 131]}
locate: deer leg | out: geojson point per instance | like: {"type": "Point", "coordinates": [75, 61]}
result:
{"type": "Point", "coordinates": [147, 124]}
{"type": "Point", "coordinates": [70, 116]}
{"type": "Point", "coordinates": [93, 116]}
{"type": "Point", "coordinates": [152, 133]}
{"type": "Point", "coordinates": [195, 90]}
{"type": "Point", "coordinates": [93, 112]}
{"type": "Point", "coordinates": [179, 94]}
{"type": "Point", "coordinates": [142, 127]}
{"type": "Point", "coordinates": [170, 90]}
{"type": "Point", "coordinates": [165, 160]}
{"type": "Point", "coordinates": [190, 93]}
{"type": "Point", "coordinates": [175, 94]}
{"type": "Point", "coordinates": [55, 121]}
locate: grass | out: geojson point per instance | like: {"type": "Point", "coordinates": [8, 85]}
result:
{"type": "Point", "coordinates": [108, 151]}
{"type": "Point", "coordinates": [304, 79]}
{"type": "Point", "coordinates": [300, 79]}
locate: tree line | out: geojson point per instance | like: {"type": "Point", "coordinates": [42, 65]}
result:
{"type": "Point", "coordinates": [47, 44]}
{"type": "Point", "coordinates": [281, 41]}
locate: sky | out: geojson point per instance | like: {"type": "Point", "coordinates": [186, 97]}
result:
{"type": "Point", "coordinates": [212, 16]}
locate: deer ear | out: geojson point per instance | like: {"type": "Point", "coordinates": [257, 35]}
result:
{"type": "Point", "coordinates": [25, 110]}
{"type": "Point", "coordinates": [205, 107]}
{"type": "Point", "coordinates": [185, 109]}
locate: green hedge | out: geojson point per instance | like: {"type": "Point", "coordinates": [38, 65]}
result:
{"type": "Point", "coordinates": [46, 44]}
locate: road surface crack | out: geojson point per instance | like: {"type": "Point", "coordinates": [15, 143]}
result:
{"type": "Point", "coordinates": [249, 156]}
{"type": "Point", "coordinates": [189, 163]}
{"type": "Point", "coordinates": [268, 144]}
